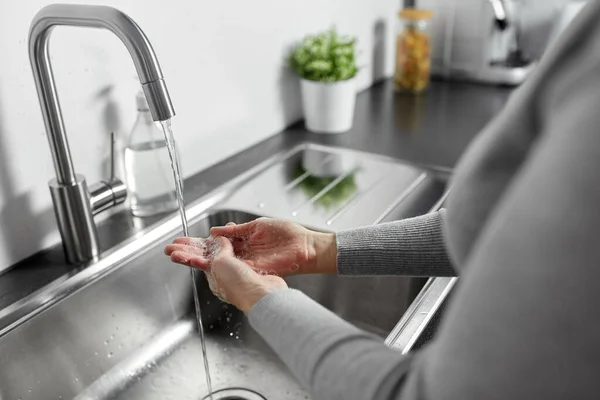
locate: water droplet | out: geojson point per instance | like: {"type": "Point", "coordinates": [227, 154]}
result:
{"type": "Point", "coordinates": [106, 342]}
{"type": "Point", "coordinates": [230, 333]}
{"type": "Point", "coordinates": [110, 355]}
{"type": "Point", "coordinates": [30, 390]}
{"type": "Point", "coordinates": [112, 336]}
{"type": "Point", "coordinates": [95, 353]}
{"type": "Point", "coordinates": [76, 379]}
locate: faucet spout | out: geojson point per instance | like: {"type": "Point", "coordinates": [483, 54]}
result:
{"type": "Point", "coordinates": [74, 205]}
{"type": "Point", "coordinates": [140, 49]}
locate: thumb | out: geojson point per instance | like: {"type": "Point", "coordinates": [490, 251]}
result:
{"type": "Point", "coordinates": [231, 230]}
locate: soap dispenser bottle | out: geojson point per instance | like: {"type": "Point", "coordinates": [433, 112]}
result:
{"type": "Point", "coordinates": [150, 184]}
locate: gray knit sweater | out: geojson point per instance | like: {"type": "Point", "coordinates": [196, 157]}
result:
{"type": "Point", "coordinates": [522, 227]}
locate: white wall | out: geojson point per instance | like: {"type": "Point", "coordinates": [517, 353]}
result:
{"type": "Point", "coordinates": [223, 62]}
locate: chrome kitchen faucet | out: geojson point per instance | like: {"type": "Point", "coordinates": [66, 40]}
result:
{"type": "Point", "coordinates": [75, 204]}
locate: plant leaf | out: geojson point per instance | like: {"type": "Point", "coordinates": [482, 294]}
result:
{"type": "Point", "coordinates": [325, 56]}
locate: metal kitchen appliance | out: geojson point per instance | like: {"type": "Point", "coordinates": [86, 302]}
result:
{"type": "Point", "coordinates": [478, 40]}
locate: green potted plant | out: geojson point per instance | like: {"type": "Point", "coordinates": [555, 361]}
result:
{"type": "Point", "coordinates": [326, 64]}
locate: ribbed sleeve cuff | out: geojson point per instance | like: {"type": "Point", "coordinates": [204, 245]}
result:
{"type": "Point", "coordinates": [410, 247]}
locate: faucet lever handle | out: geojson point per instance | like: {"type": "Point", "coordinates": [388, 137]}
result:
{"type": "Point", "coordinates": [112, 156]}
{"type": "Point", "coordinates": [106, 194]}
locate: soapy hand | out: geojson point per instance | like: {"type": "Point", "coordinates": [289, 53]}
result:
{"type": "Point", "coordinates": [271, 246]}
{"type": "Point", "coordinates": [280, 247]}
{"type": "Point", "coordinates": [230, 279]}
{"type": "Point", "coordinates": [244, 262]}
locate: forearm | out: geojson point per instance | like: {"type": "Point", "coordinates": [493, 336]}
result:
{"type": "Point", "coordinates": [330, 357]}
{"type": "Point", "coordinates": [411, 247]}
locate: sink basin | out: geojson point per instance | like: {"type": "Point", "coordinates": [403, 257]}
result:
{"type": "Point", "coordinates": [128, 331]}
{"type": "Point", "coordinates": [132, 334]}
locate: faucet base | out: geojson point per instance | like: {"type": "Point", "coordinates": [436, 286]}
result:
{"type": "Point", "coordinates": [75, 220]}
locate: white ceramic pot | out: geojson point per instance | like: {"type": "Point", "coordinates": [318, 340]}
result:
{"type": "Point", "coordinates": [328, 107]}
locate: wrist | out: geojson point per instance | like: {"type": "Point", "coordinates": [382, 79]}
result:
{"type": "Point", "coordinates": [250, 300]}
{"type": "Point", "coordinates": [324, 251]}
{"type": "Point", "coordinates": [253, 296]}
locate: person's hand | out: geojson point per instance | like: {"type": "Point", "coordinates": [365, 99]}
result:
{"type": "Point", "coordinates": [267, 245]}
{"type": "Point", "coordinates": [232, 280]}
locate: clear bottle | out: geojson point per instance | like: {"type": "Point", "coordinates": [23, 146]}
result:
{"type": "Point", "coordinates": [150, 184]}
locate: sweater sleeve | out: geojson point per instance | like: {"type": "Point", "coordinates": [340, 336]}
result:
{"type": "Point", "coordinates": [410, 247]}
{"type": "Point", "coordinates": [330, 357]}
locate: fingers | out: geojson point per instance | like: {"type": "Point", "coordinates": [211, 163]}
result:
{"type": "Point", "coordinates": [200, 253]}
{"type": "Point", "coordinates": [231, 230]}
{"type": "Point", "coordinates": [169, 249]}
{"type": "Point", "coordinates": [190, 260]}
{"type": "Point", "coordinates": [181, 257]}
{"type": "Point", "coordinates": [191, 241]}
{"type": "Point", "coordinates": [188, 255]}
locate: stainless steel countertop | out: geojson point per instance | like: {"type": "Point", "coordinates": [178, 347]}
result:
{"type": "Point", "coordinates": [430, 131]}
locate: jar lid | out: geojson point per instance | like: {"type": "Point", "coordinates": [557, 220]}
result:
{"type": "Point", "coordinates": [415, 14]}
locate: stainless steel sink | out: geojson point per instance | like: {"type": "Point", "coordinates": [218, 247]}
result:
{"type": "Point", "coordinates": [123, 328]}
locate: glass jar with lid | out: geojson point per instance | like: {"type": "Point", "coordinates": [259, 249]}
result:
{"type": "Point", "coordinates": [413, 51]}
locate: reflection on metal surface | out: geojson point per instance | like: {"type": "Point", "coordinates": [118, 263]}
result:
{"type": "Point", "coordinates": [323, 164]}
{"type": "Point", "coordinates": [350, 202]}
{"type": "Point", "coordinates": [411, 111]}
{"type": "Point", "coordinates": [120, 328]}
{"type": "Point", "coordinates": [348, 193]}
{"type": "Point", "coordinates": [399, 200]}
{"type": "Point", "coordinates": [235, 394]}
{"type": "Point", "coordinates": [140, 363]}
{"type": "Point", "coordinates": [420, 313]}
{"type": "Point", "coordinates": [327, 191]}
{"type": "Point", "coordinates": [428, 302]}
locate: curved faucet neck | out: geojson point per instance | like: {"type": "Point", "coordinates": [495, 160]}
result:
{"type": "Point", "coordinates": [144, 59]}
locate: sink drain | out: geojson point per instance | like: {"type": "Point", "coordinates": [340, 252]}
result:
{"type": "Point", "coordinates": [235, 394]}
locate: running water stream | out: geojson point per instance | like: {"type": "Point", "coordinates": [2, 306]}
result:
{"type": "Point", "coordinates": [166, 127]}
